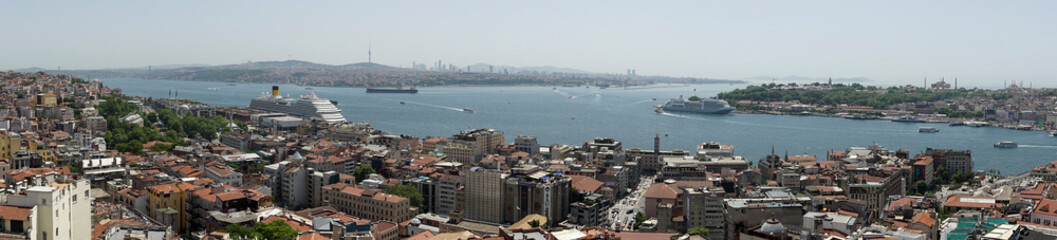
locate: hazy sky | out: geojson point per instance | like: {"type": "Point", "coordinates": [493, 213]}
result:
{"type": "Point", "coordinates": [979, 42]}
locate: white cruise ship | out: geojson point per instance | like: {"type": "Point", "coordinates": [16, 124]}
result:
{"type": "Point", "coordinates": [308, 106]}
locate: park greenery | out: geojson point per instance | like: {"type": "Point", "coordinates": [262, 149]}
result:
{"type": "Point", "coordinates": [277, 229]}
{"type": "Point", "coordinates": [362, 172]}
{"type": "Point", "coordinates": [408, 191]}
{"type": "Point", "coordinates": [171, 128]}
{"type": "Point", "coordinates": [854, 94]}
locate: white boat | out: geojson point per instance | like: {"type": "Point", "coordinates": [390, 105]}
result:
{"type": "Point", "coordinates": [1053, 133]}
{"type": "Point", "coordinates": [928, 129]}
{"type": "Point", "coordinates": [1006, 144]}
{"type": "Point", "coordinates": [975, 123]}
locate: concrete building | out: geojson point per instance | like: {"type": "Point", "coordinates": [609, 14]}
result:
{"type": "Point", "coordinates": [704, 208]}
{"type": "Point", "coordinates": [167, 204]}
{"type": "Point", "coordinates": [18, 222]}
{"type": "Point", "coordinates": [482, 193]}
{"type": "Point", "coordinates": [875, 187]}
{"type": "Point", "coordinates": [589, 212]}
{"type": "Point", "coordinates": [236, 140]}
{"type": "Point", "coordinates": [63, 208]}
{"type": "Point", "coordinates": [449, 187]}
{"type": "Point", "coordinates": [368, 203]}
{"type": "Point", "coordinates": [289, 183]}
{"type": "Point", "coordinates": [744, 214]}
{"type": "Point", "coordinates": [529, 190]}
{"type": "Point", "coordinates": [527, 144]}
{"type": "Point", "coordinates": [1044, 212]}
{"type": "Point", "coordinates": [224, 174]}
{"type": "Point", "coordinates": [315, 182]}
{"type": "Point", "coordinates": [96, 123]}
{"type": "Point", "coordinates": [954, 161]}
{"type": "Point", "coordinates": [817, 221]}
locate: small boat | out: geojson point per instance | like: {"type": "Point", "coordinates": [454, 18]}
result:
{"type": "Point", "coordinates": [1006, 144]}
{"type": "Point", "coordinates": [469, 110]}
{"type": "Point", "coordinates": [213, 89]}
{"type": "Point", "coordinates": [401, 102]}
{"type": "Point", "coordinates": [658, 110]}
{"type": "Point", "coordinates": [975, 123]}
{"type": "Point", "coordinates": [928, 129]}
{"type": "Point", "coordinates": [654, 99]}
{"type": "Point", "coordinates": [308, 88]}
{"type": "Point", "coordinates": [1053, 133]}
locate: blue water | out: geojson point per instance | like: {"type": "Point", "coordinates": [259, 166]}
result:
{"type": "Point", "coordinates": [625, 115]}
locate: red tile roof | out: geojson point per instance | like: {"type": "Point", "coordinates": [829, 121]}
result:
{"type": "Point", "coordinates": [585, 184]}
{"type": "Point", "coordinates": [14, 212]}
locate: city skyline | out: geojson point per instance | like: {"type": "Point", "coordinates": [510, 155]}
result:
{"type": "Point", "coordinates": [889, 43]}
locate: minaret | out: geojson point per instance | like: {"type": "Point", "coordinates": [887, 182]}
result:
{"type": "Point", "coordinates": [656, 144]}
{"type": "Point", "coordinates": [368, 52]}
{"type": "Point", "coordinates": [955, 83]}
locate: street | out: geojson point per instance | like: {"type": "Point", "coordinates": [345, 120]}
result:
{"type": "Point", "coordinates": [622, 215]}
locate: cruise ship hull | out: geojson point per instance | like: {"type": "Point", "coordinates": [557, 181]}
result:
{"type": "Point", "coordinates": [719, 111]}
{"type": "Point", "coordinates": [708, 106]}
{"type": "Point", "coordinates": [310, 106]}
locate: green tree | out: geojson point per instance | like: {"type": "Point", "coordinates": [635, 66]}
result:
{"type": "Point", "coordinates": [238, 231]}
{"type": "Point", "coordinates": [408, 191]}
{"type": "Point", "coordinates": [639, 218]}
{"type": "Point", "coordinates": [942, 175]}
{"type": "Point", "coordinates": [698, 230]}
{"type": "Point", "coordinates": [574, 195]}
{"type": "Point", "coordinates": [920, 187]}
{"type": "Point", "coordinates": [362, 172]}
{"type": "Point", "coordinates": [694, 98]}
{"type": "Point", "coordinates": [277, 229]}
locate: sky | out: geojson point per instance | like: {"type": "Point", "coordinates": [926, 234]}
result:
{"type": "Point", "coordinates": [981, 43]}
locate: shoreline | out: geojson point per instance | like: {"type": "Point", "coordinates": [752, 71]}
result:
{"type": "Point", "coordinates": [816, 114]}
{"type": "Point", "coordinates": [709, 82]}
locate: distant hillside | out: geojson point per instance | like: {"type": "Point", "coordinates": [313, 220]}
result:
{"type": "Point", "coordinates": [373, 74]}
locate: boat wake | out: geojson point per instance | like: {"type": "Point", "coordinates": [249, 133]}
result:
{"type": "Point", "coordinates": [638, 102]}
{"type": "Point", "coordinates": [435, 106]}
{"type": "Point", "coordinates": [1037, 146]}
{"type": "Point", "coordinates": [583, 95]}
{"type": "Point", "coordinates": [564, 93]}
{"type": "Point", "coordinates": [655, 87]}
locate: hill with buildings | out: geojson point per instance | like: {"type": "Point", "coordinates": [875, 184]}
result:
{"type": "Point", "coordinates": [377, 75]}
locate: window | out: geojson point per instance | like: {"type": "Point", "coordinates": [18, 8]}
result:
{"type": "Point", "coordinates": [1047, 222]}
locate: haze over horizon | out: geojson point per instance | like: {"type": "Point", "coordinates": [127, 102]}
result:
{"type": "Point", "coordinates": [981, 43]}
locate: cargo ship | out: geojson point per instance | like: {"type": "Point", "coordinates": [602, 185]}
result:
{"type": "Point", "coordinates": [392, 90]}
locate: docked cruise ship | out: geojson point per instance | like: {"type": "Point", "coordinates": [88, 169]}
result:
{"type": "Point", "coordinates": [308, 106]}
{"type": "Point", "coordinates": [716, 106]}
